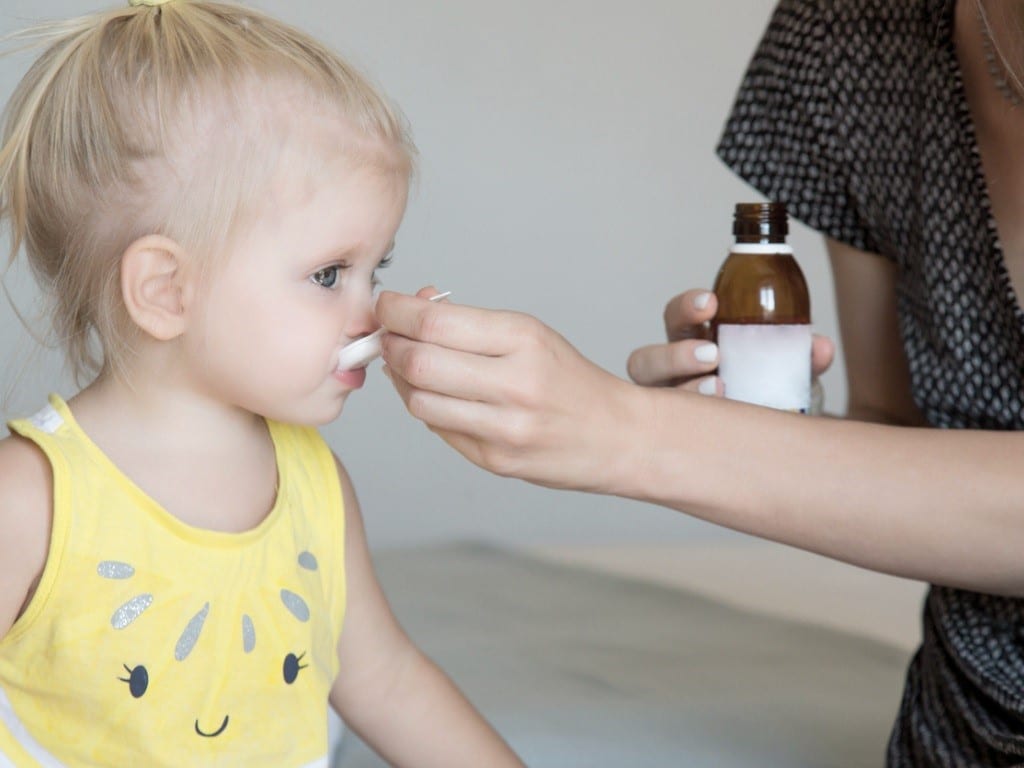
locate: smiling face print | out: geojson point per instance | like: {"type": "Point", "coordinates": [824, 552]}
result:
{"type": "Point", "coordinates": [178, 684]}
{"type": "Point", "coordinates": [208, 678]}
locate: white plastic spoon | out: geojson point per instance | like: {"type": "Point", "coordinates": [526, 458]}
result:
{"type": "Point", "coordinates": [361, 352]}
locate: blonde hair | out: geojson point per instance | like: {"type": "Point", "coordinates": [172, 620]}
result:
{"type": "Point", "coordinates": [101, 137]}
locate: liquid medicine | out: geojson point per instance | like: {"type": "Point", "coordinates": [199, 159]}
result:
{"type": "Point", "coordinates": [763, 325]}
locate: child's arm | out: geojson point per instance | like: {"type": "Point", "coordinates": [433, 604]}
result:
{"type": "Point", "coordinates": [387, 691]}
{"type": "Point", "coordinates": [25, 513]}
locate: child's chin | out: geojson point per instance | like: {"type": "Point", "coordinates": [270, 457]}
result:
{"type": "Point", "coordinates": [335, 412]}
{"type": "Point", "coordinates": [321, 416]}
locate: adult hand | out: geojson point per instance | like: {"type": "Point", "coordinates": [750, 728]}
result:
{"type": "Point", "coordinates": [690, 358]}
{"type": "Point", "coordinates": [506, 391]}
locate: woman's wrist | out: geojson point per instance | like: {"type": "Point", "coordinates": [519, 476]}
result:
{"type": "Point", "coordinates": [668, 458]}
{"type": "Point", "coordinates": [637, 448]}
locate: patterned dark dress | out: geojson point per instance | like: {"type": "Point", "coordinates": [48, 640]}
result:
{"type": "Point", "coordinates": [853, 113]}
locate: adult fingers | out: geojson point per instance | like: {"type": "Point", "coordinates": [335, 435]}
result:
{"type": "Point", "coordinates": [509, 441]}
{"type": "Point", "coordinates": [481, 331]}
{"type": "Point", "coordinates": [688, 315]}
{"type": "Point", "coordinates": [444, 414]}
{"type": "Point", "coordinates": [704, 385]}
{"type": "Point", "coordinates": [823, 352]}
{"type": "Point", "coordinates": [446, 371]}
{"type": "Point", "coordinates": [663, 364]}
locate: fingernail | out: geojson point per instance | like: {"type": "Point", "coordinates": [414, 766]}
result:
{"type": "Point", "coordinates": [700, 301]}
{"type": "Point", "coordinates": [706, 353]}
{"type": "Point", "coordinates": [708, 386]}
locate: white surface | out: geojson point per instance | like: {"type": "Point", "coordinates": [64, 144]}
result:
{"type": "Point", "coordinates": [567, 170]}
{"type": "Point", "coordinates": [771, 579]}
{"type": "Point", "coordinates": [580, 668]}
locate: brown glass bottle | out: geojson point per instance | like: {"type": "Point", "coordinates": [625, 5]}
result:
{"type": "Point", "coordinates": [764, 312]}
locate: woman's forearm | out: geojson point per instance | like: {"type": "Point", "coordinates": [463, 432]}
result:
{"type": "Point", "coordinates": [945, 506]}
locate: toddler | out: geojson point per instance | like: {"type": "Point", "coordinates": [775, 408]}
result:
{"type": "Point", "coordinates": [206, 195]}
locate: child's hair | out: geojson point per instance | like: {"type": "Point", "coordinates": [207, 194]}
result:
{"type": "Point", "coordinates": [141, 121]}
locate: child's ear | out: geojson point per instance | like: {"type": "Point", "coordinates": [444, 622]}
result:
{"type": "Point", "coordinates": [154, 286]}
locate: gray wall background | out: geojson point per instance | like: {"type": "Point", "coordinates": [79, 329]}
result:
{"type": "Point", "coordinates": [567, 171]}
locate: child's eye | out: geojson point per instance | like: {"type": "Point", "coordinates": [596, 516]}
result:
{"type": "Point", "coordinates": [138, 680]}
{"type": "Point", "coordinates": [292, 665]}
{"type": "Point", "coordinates": [384, 264]}
{"type": "Point", "coordinates": [326, 277]}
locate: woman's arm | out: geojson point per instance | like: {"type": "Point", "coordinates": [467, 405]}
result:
{"type": "Point", "coordinates": [395, 698]}
{"type": "Point", "coordinates": [945, 506]}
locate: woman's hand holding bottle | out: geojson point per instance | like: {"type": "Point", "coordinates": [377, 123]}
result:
{"type": "Point", "coordinates": [690, 358]}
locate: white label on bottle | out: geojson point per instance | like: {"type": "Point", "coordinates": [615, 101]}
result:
{"type": "Point", "coordinates": [766, 364]}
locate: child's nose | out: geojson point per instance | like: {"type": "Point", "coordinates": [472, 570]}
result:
{"type": "Point", "coordinates": [362, 319]}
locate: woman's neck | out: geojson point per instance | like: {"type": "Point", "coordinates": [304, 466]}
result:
{"type": "Point", "coordinates": [997, 115]}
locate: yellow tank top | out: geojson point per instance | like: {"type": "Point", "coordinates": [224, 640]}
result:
{"type": "Point", "coordinates": [153, 643]}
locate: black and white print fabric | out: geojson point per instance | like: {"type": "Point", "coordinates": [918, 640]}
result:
{"type": "Point", "coordinates": [852, 112]}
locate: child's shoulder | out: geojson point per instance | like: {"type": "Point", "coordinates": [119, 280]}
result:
{"type": "Point", "coordinates": [25, 514]}
{"type": "Point", "coordinates": [25, 473]}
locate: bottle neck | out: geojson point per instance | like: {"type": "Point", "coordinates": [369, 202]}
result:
{"type": "Point", "coordinates": [760, 223]}
{"type": "Point", "coordinates": [761, 238]}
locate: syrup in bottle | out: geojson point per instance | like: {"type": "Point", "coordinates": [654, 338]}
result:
{"type": "Point", "coordinates": [763, 325]}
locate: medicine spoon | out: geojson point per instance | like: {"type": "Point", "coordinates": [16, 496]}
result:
{"type": "Point", "coordinates": [362, 352]}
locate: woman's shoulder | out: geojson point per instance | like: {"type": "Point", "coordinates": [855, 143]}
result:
{"type": "Point", "coordinates": [864, 9]}
{"type": "Point", "coordinates": [862, 24]}
{"type": "Point", "coordinates": [26, 509]}
{"type": "Point", "coordinates": [845, 57]}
